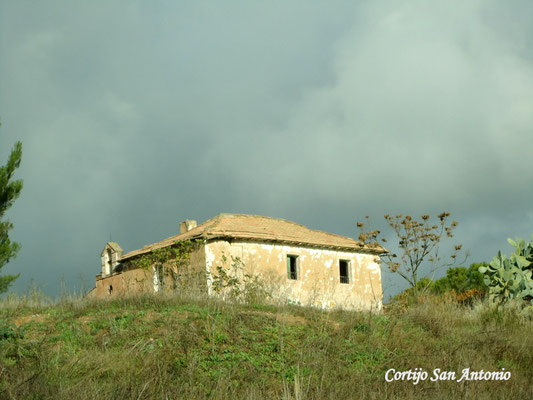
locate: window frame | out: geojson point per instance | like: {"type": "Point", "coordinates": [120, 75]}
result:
{"type": "Point", "coordinates": [296, 267]}
{"type": "Point", "coordinates": [348, 275]}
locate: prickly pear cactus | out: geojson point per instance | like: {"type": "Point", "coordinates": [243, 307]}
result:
{"type": "Point", "coordinates": [511, 277]}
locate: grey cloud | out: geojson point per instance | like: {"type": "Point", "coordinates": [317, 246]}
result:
{"type": "Point", "coordinates": [135, 116]}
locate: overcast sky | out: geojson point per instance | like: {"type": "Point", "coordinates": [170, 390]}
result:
{"type": "Point", "coordinates": [137, 115]}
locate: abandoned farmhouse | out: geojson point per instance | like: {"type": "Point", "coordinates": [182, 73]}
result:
{"type": "Point", "coordinates": [306, 266]}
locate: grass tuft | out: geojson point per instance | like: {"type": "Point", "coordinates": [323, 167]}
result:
{"type": "Point", "coordinates": [163, 346]}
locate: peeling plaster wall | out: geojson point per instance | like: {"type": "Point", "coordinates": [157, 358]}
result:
{"type": "Point", "coordinates": [318, 282]}
{"type": "Point", "coordinates": [127, 282]}
{"type": "Point", "coordinates": [136, 280]}
{"type": "Point", "coordinates": [192, 277]}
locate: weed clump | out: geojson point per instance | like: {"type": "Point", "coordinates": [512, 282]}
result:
{"type": "Point", "coordinates": [162, 346]}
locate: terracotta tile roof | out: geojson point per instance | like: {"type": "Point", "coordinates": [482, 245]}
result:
{"type": "Point", "coordinates": [262, 229]}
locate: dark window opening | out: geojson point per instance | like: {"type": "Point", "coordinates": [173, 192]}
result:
{"type": "Point", "coordinates": [344, 271]}
{"type": "Point", "coordinates": [110, 289]}
{"type": "Point", "coordinates": [110, 261]}
{"type": "Point", "coordinates": [292, 267]}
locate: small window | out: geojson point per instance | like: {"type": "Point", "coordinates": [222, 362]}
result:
{"type": "Point", "coordinates": [344, 271]}
{"type": "Point", "coordinates": [292, 267]}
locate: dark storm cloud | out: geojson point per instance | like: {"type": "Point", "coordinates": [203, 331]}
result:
{"type": "Point", "coordinates": [137, 115]}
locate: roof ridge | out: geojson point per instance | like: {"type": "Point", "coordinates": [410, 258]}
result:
{"type": "Point", "coordinates": [287, 221]}
{"type": "Point", "coordinates": [263, 216]}
{"type": "Point", "coordinates": [215, 227]}
{"type": "Point", "coordinates": [210, 224]}
{"type": "Point", "coordinates": [174, 237]}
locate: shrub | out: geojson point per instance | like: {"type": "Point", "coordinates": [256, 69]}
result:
{"type": "Point", "coordinates": [234, 283]}
{"type": "Point", "coordinates": [510, 277]}
{"type": "Point", "coordinates": [461, 279]}
{"type": "Point", "coordinates": [9, 331]}
{"type": "Point", "coordinates": [460, 285]}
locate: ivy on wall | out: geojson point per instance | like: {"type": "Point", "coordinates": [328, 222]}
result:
{"type": "Point", "coordinates": [172, 261]}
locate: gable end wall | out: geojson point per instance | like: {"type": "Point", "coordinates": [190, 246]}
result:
{"type": "Point", "coordinates": [318, 283]}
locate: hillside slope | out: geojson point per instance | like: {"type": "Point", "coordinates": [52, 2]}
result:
{"type": "Point", "coordinates": [173, 348]}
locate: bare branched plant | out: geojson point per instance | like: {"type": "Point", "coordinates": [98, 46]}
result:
{"type": "Point", "coordinates": [235, 283]}
{"type": "Point", "coordinates": [418, 242]}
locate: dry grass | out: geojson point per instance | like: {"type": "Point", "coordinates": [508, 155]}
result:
{"type": "Point", "coordinates": [162, 347]}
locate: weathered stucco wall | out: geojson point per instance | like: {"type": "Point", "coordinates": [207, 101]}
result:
{"type": "Point", "coordinates": [131, 281]}
{"type": "Point", "coordinates": [192, 276]}
{"type": "Point", "coordinates": [124, 283]}
{"type": "Point", "coordinates": [318, 282]}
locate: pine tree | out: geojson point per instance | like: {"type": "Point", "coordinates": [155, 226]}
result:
{"type": "Point", "coordinates": [9, 191]}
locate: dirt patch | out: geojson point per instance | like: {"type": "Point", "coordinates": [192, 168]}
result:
{"type": "Point", "coordinates": [336, 325]}
{"type": "Point", "coordinates": [85, 322]}
{"type": "Point", "coordinates": [29, 318]}
{"type": "Point", "coordinates": [283, 318]}
{"type": "Point", "coordinates": [154, 315]}
{"type": "Point", "coordinates": [291, 319]}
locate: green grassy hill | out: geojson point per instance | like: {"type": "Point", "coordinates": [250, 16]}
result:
{"type": "Point", "coordinates": [176, 348]}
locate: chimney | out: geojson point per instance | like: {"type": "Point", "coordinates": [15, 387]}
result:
{"type": "Point", "coordinates": [187, 225]}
